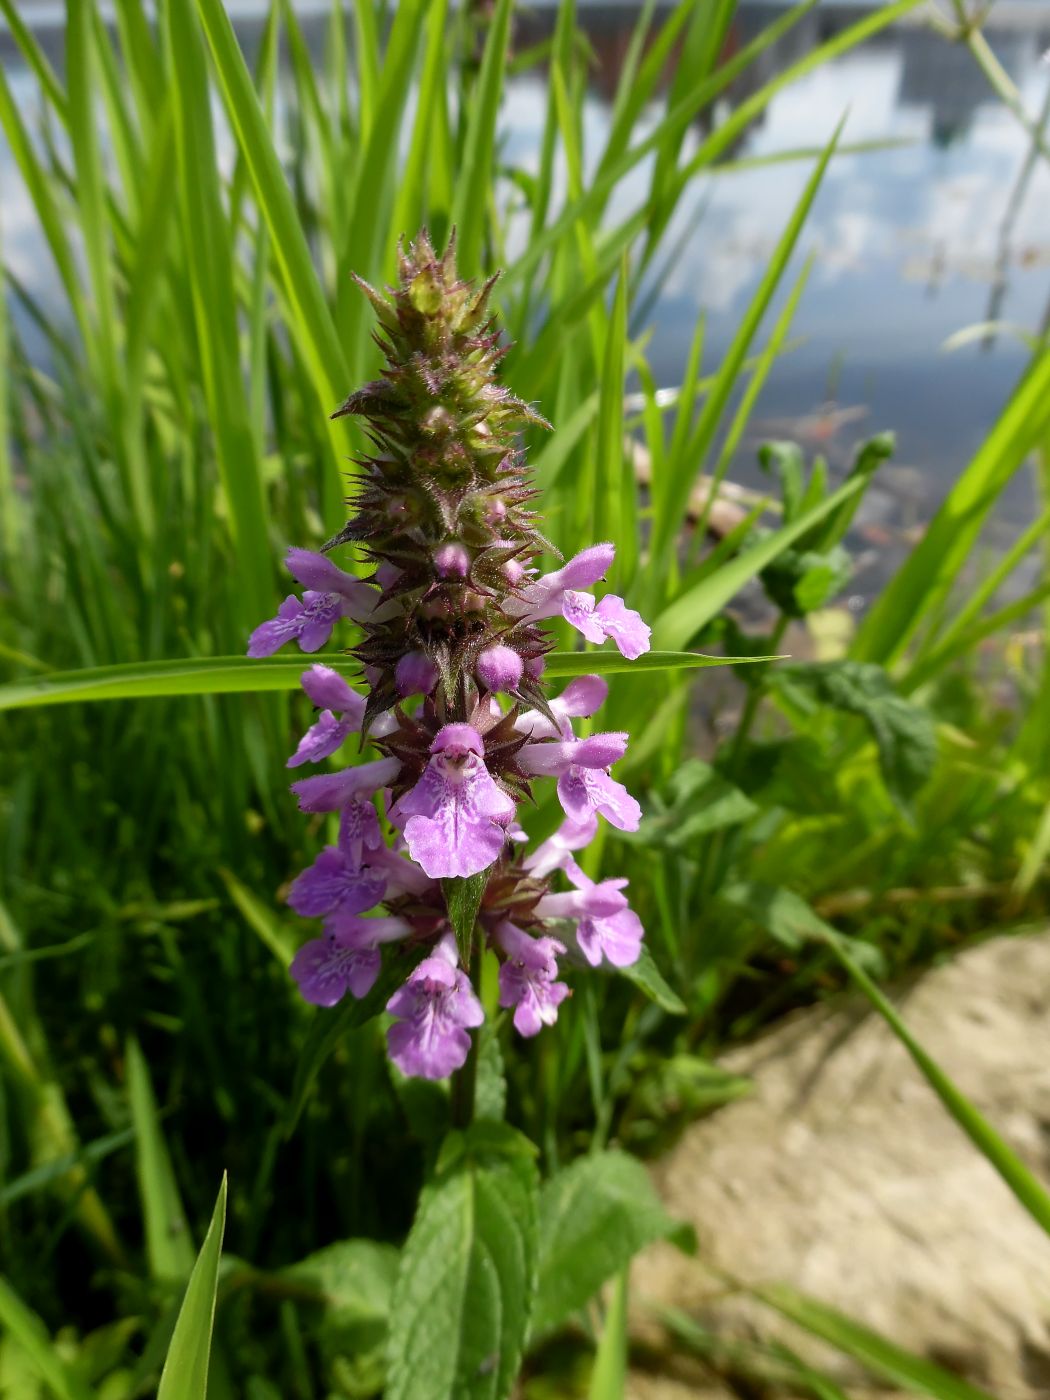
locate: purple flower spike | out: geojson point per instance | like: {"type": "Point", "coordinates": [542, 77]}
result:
{"type": "Point", "coordinates": [526, 979]}
{"type": "Point", "coordinates": [437, 1007]}
{"type": "Point", "coordinates": [454, 817]}
{"type": "Point", "coordinates": [415, 674]}
{"type": "Point", "coordinates": [499, 668]}
{"type": "Point", "coordinates": [335, 884]}
{"type": "Point", "coordinates": [328, 792]}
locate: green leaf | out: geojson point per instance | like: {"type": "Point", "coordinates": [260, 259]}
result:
{"type": "Point", "coordinates": [185, 1374]}
{"type": "Point", "coordinates": [233, 675]}
{"type": "Point", "coordinates": [328, 1027]}
{"type": "Point", "coordinates": [648, 978]}
{"type": "Point", "coordinates": [699, 800]}
{"type": "Point", "coordinates": [594, 1217]}
{"type": "Point", "coordinates": [903, 731]}
{"type": "Point", "coordinates": [902, 1368]}
{"type": "Point", "coordinates": [474, 177]}
{"type": "Point", "coordinates": [463, 900]}
{"type": "Point", "coordinates": [490, 1088]}
{"type": "Point", "coordinates": [1028, 1189]}
{"type": "Point", "coordinates": [464, 1289]}
{"type": "Point", "coordinates": [168, 1245]}
{"type": "Point", "coordinates": [22, 1324]}
{"type": "Point", "coordinates": [348, 1287]}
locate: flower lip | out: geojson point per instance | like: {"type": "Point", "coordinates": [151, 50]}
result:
{"type": "Point", "coordinates": [457, 740]}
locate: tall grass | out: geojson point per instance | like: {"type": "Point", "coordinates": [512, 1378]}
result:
{"type": "Point", "coordinates": [150, 475]}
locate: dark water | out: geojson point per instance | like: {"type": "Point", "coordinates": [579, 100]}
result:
{"type": "Point", "coordinates": [913, 244]}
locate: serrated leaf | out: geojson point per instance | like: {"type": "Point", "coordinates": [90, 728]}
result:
{"type": "Point", "coordinates": [490, 1089]}
{"type": "Point", "coordinates": [594, 1217]}
{"type": "Point", "coordinates": [463, 900]}
{"type": "Point", "coordinates": [648, 978]}
{"type": "Point", "coordinates": [329, 1027]}
{"type": "Point", "coordinates": [903, 731]}
{"type": "Point", "coordinates": [185, 1374]}
{"type": "Point", "coordinates": [464, 1289]}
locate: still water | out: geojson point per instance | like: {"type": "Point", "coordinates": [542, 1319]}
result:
{"type": "Point", "coordinates": [942, 231]}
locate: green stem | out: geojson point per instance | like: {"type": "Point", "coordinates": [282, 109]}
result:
{"type": "Point", "coordinates": [464, 1081]}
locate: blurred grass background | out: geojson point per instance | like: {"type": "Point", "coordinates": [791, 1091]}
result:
{"type": "Point", "coordinates": [175, 437]}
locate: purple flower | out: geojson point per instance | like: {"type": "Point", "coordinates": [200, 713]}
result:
{"type": "Point", "coordinates": [437, 1007]}
{"type": "Point", "coordinates": [580, 699]}
{"type": "Point", "coordinates": [527, 978]}
{"type": "Point", "coordinates": [609, 618]}
{"type": "Point", "coordinates": [606, 925]}
{"type": "Point", "coordinates": [335, 883]}
{"type": "Point", "coordinates": [346, 957]}
{"type": "Point", "coordinates": [330, 595]}
{"type": "Point", "coordinates": [328, 792]}
{"type": "Point", "coordinates": [543, 597]}
{"type": "Point", "coordinates": [331, 694]}
{"type": "Point", "coordinates": [555, 851]}
{"type": "Point", "coordinates": [454, 817]}
{"type": "Point", "coordinates": [359, 834]}
{"type": "Point", "coordinates": [584, 784]}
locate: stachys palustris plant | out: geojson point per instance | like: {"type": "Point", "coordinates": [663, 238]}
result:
{"type": "Point", "coordinates": [452, 652]}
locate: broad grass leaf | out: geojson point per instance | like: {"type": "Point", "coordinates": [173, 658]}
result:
{"type": "Point", "coordinates": [168, 1246]}
{"type": "Point", "coordinates": [233, 675]}
{"type": "Point", "coordinates": [594, 1217]}
{"type": "Point", "coordinates": [23, 1326]}
{"type": "Point", "coordinates": [902, 1368]}
{"type": "Point", "coordinates": [464, 1289]}
{"type": "Point", "coordinates": [788, 919]}
{"type": "Point", "coordinates": [185, 1374]}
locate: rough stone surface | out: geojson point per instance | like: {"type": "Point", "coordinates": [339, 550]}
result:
{"type": "Point", "coordinates": [843, 1176]}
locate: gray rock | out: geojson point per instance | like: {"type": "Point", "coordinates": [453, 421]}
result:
{"type": "Point", "coordinates": [843, 1176]}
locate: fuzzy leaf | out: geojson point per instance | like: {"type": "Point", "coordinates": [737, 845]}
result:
{"type": "Point", "coordinates": [464, 1290]}
{"type": "Point", "coordinates": [904, 732]}
{"type": "Point", "coordinates": [648, 978]}
{"type": "Point", "coordinates": [594, 1217]}
{"type": "Point", "coordinates": [463, 900]}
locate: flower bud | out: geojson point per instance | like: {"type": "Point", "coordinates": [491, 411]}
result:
{"type": "Point", "coordinates": [415, 674]}
{"type": "Point", "coordinates": [451, 561]}
{"type": "Point", "coordinates": [499, 668]}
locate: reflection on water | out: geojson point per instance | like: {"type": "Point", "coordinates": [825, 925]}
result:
{"type": "Point", "coordinates": [913, 243]}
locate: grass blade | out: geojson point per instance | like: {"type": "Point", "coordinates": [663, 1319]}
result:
{"type": "Point", "coordinates": [1031, 1193]}
{"type": "Point", "coordinates": [185, 1374]}
{"type": "Point", "coordinates": [232, 675]}
{"type": "Point", "coordinates": [610, 1364]}
{"type": "Point", "coordinates": [470, 204]}
{"type": "Point", "coordinates": [917, 1375]}
{"type": "Point", "coordinates": [31, 1335]}
{"type": "Point", "coordinates": [168, 1245]}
